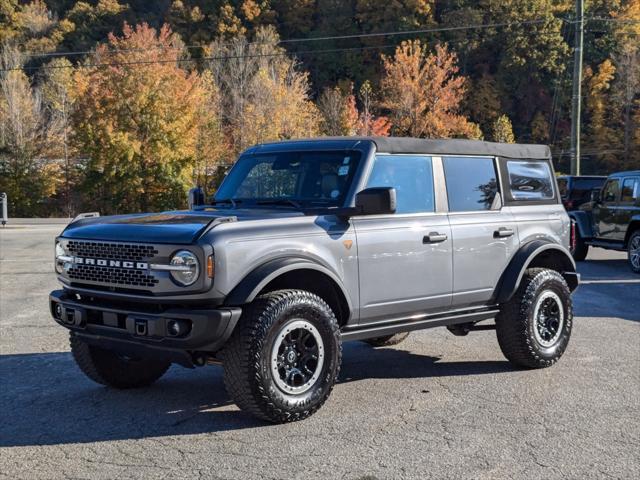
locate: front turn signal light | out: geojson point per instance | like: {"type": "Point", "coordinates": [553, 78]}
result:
{"type": "Point", "coordinates": [210, 270]}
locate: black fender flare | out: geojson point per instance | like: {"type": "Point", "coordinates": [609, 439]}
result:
{"type": "Point", "coordinates": [634, 224]}
{"type": "Point", "coordinates": [583, 223]}
{"type": "Point", "coordinates": [512, 276]}
{"type": "Point", "coordinates": [249, 287]}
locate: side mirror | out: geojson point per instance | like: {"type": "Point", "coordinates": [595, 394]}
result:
{"type": "Point", "coordinates": [595, 195]}
{"type": "Point", "coordinates": [376, 201]}
{"type": "Point", "coordinates": [196, 197]}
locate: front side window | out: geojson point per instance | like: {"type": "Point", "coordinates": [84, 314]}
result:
{"type": "Point", "coordinates": [471, 183]}
{"type": "Point", "coordinates": [611, 190]}
{"type": "Point", "coordinates": [530, 180]}
{"type": "Point", "coordinates": [411, 176]}
{"type": "Point", "coordinates": [630, 188]}
{"type": "Point", "coordinates": [305, 178]}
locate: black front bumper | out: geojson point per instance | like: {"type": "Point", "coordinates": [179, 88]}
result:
{"type": "Point", "coordinates": [127, 329]}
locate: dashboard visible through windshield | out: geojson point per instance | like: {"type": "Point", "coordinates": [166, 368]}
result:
{"type": "Point", "coordinates": [296, 179]}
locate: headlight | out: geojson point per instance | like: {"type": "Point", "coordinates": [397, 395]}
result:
{"type": "Point", "coordinates": [185, 268]}
{"type": "Point", "coordinates": [61, 255]}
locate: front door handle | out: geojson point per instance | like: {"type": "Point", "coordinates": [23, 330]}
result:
{"type": "Point", "coordinates": [434, 237]}
{"type": "Point", "coordinates": [503, 232]}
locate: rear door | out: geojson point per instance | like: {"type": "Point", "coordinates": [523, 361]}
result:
{"type": "Point", "coordinates": [628, 207]}
{"type": "Point", "coordinates": [404, 258]}
{"type": "Point", "coordinates": [484, 234]}
{"type": "Point", "coordinates": [606, 211]}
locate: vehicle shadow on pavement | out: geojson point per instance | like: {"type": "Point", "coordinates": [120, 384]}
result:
{"type": "Point", "coordinates": [360, 361]}
{"type": "Point", "coordinates": [47, 401]}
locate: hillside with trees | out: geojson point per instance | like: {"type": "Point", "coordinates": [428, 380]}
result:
{"type": "Point", "coordinates": [121, 106]}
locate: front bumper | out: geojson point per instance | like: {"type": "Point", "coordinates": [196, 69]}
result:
{"type": "Point", "coordinates": [113, 327]}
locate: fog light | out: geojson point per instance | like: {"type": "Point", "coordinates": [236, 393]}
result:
{"type": "Point", "coordinates": [57, 311]}
{"type": "Point", "coordinates": [178, 328]}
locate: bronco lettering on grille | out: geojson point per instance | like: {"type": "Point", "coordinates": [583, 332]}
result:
{"type": "Point", "coordinates": [111, 263]}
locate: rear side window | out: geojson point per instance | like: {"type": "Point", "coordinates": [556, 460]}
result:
{"type": "Point", "coordinates": [630, 192]}
{"type": "Point", "coordinates": [582, 187]}
{"type": "Point", "coordinates": [471, 183]}
{"type": "Point", "coordinates": [530, 180]}
{"type": "Point", "coordinates": [411, 176]}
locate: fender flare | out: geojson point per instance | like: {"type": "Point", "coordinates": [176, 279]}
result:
{"type": "Point", "coordinates": [249, 287]}
{"type": "Point", "coordinates": [634, 224]}
{"type": "Point", "coordinates": [582, 223]}
{"type": "Point", "coordinates": [512, 276]}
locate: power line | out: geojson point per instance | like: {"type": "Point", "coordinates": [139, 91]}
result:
{"type": "Point", "coordinates": [317, 39]}
{"type": "Point", "coordinates": [181, 60]}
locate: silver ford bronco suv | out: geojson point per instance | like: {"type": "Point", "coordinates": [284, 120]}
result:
{"type": "Point", "coordinates": [311, 243]}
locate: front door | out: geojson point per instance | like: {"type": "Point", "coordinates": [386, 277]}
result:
{"type": "Point", "coordinates": [404, 259]}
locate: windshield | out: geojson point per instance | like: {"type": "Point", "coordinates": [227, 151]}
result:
{"type": "Point", "coordinates": [294, 179]}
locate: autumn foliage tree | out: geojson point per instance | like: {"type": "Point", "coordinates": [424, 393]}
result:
{"type": "Point", "coordinates": [423, 93]}
{"type": "Point", "coordinates": [137, 119]}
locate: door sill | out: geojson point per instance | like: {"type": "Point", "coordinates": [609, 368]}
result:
{"type": "Point", "coordinates": [417, 322]}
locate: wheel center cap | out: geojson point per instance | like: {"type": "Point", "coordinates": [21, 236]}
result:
{"type": "Point", "coordinates": [291, 356]}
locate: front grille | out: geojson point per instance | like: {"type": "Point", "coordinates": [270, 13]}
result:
{"type": "Point", "coordinates": [110, 274]}
{"type": "Point", "coordinates": [114, 275]}
{"type": "Point", "coordinates": [111, 251]}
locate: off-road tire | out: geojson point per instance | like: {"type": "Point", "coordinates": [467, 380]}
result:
{"type": "Point", "coordinates": [387, 340]}
{"type": "Point", "coordinates": [109, 368]}
{"type": "Point", "coordinates": [634, 242]}
{"type": "Point", "coordinates": [515, 322]}
{"type": "Point", "coordinates": [581, 249]}
{"type": "Point", "coordinates": [248, 376]}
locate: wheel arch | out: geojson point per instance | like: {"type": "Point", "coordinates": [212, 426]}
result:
{"type": "Point", "coordinates": [632, 227]}
{"type": "Point", "coordinates": [582, 223]}
{"type": "Point", "coordinates": [537, 253]}
{"type": "Point", "coordinates": [296, 273]}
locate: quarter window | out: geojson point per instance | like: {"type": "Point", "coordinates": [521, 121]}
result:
{"type": "Point", "coordinates": [411, 176]}
{"type": "Point", "coordinates": [530, 180]}
{"type": "Point", "coordinates": [611, 190]}
{"type": "Point", "coordinates": [471, 183]}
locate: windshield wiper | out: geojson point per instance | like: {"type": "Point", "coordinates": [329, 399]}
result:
{"type": "Point", "coordinates": [233, 202]}
{"type": "Point", "coordinates": [280, 201]}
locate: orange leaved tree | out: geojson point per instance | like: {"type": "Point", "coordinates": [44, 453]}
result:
{"type": "Point", "coordinates": [139, 120]}
{"type": "Point", "coordinates": [423, 93]}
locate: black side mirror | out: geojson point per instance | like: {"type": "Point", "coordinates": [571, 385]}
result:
{"type": "Point", "coordinates": [595, 195]}
{"type": "Point", "coordinates": [376, 201]}
{"type": "Point", "coordinates": [196, 197]}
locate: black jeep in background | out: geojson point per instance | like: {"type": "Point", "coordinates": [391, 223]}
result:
{"type": "Point", "coordinates": [611, 219]}
{"type": "Point", "coordinates": [576, 190]}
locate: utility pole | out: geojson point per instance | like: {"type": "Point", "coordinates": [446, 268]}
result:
{"type": "Point", "coordinates": [576, 98]}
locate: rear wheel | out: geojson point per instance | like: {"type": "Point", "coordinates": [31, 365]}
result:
{"type": "Point", "coordinates": [633, 251]}
{"type": "Point", "coordinates": [534, 327]}
{"type": "Point", "coordinates": [283, 358]}
{"type": "Point", "coordinates": [387, 340]}
{"type": "Point", "coordinates": [107, 367]}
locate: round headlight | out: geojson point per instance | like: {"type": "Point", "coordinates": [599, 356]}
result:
{"type": "Point", "coordinates": [59, 264]}
{"type": "Point", "coordinates": [186, 268]}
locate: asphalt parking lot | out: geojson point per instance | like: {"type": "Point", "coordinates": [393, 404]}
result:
{"type": "Point", "coordinates": [436, 406]}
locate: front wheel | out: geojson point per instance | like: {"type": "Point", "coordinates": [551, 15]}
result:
{"type": "Point", "coordinates": [283, 357]}
{"type": "Point", "coordinates": [117, 370]}
{"type": "Point", "coordinates": [633, 251]}
{"type": "Point", "coordinates": [534, 327]}
{"type": "Point", "coordinates": [580, 249]}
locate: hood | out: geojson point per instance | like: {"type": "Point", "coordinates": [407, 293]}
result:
{"type": "Point", "coordinates": [179, 227]}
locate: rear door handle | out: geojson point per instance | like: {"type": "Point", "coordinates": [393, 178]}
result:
{"type": "Point", "coordinates": [503, 232]}
{"type": "Point", "coordinates": [434, 237]}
